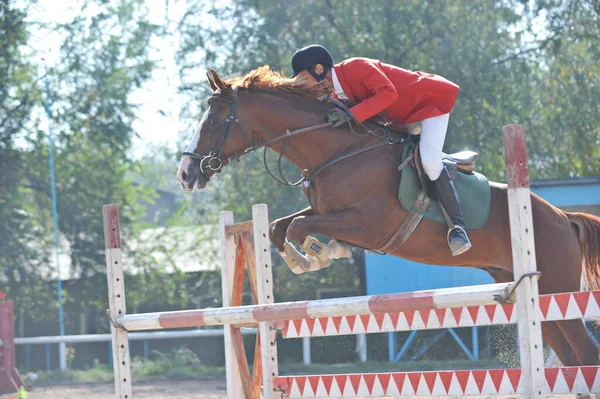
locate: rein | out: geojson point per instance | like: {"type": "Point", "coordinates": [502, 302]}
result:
{"type": "Point", "coordinates": [214, 162]}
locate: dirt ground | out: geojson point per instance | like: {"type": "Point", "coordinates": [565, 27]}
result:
{"type": "Point", "coordinates": [213, 388]}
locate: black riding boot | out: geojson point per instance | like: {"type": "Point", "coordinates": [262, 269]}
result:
{"type": "Point", "coordinates": [458, 241]}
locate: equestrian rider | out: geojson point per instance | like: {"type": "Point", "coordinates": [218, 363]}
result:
{"type": "Point", "coordinates": [404, 97]}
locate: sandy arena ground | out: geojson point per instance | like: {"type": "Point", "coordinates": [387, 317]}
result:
{"type": "Point", "coordinates": [205, 389]}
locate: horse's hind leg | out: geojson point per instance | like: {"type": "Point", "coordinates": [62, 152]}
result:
{"type": "Point", "coordinates": [554, 337]}
{"type": "Point", "coordinates": [579, 340]}
{"type": "Point", "coordinates": [345, 225]}
{"type": "Point", "coordinates": [551, 333]}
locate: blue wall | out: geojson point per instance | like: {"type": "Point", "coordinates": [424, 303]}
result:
{"type": "Point", "coordinates": [387, 274]}
{"type": "Point", "coordinates": [579, 195]}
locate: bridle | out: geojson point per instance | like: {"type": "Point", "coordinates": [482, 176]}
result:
{"type": "Point", "coordinates": [214, 162]}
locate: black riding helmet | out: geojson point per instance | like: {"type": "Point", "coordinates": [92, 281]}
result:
{"type": "Point", "coordinates": [307, 57]}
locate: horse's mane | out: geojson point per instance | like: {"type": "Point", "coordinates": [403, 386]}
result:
{"type": "Point", "coordinates": [264, 79]}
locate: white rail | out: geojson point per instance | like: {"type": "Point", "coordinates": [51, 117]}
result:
{"type": "Point", "coordinates": [141, 336]}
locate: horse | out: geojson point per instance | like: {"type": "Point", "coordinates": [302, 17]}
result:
{"type": "Point", "coordinates": [354, 199]}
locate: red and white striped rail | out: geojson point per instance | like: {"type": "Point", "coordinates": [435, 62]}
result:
{"type": "Point", "coordinates": [563, 380]}
{"type": "Point", "coordinates": [363, 305]}
{"type": "Point", "coordinates": [565, 306]}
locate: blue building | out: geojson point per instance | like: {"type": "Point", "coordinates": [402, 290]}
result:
{"type": "Point", "coordinates": [387, 274]}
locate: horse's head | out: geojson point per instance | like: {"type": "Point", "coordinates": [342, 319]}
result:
{"type": "Point", "coordinates": [221, 137]}
{"type": "Point", "coordinates": [218, 138]}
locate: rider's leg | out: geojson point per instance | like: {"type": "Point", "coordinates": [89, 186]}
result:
{"type": "Point", "coordinates": [432, 140]}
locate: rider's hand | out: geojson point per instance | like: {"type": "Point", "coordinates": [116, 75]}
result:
{"type": "Point", "coordinates": [337, 117]}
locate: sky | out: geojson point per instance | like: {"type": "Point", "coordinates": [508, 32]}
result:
{"type": "Point", "coordinates": [158, 122]}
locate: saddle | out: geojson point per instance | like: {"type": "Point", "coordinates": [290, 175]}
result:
{"type": "Point", "coordinates": [463, 161]}
{"type": "Point", "coordinates": [417, 195]}
{"type": "Point", "coordinates": [458, 162]}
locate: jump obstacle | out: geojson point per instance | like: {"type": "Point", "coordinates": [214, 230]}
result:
{"type": "Point", "coordinates": [509, 303]}
{"type": "Point", "coordinates": [10, 380]}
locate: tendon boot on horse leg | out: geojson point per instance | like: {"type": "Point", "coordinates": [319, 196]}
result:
{"type": "Point", "coordinates": [318, 256]}
{"type": "Point", "coordinates": [325, 252]}
{"type": "Point", "coordinates": [458, 241]}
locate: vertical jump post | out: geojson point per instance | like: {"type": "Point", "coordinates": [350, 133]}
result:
{"type": "Point", "coordinates": [237, 255]}
{"type": "Point", "coordinates": [10, 380]}
{"type": "Point", "coordinates": [524, 262]}
{"type": "Point", "coordinates": [116, 299]}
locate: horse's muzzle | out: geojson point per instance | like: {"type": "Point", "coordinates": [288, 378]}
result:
{"type": "Point", "coordinates": [192, 178]}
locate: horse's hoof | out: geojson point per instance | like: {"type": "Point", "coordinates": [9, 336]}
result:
{"type": "Point", "coordinates": [299, 263]}
{"type": "Point", "coordinates": [277, 235]}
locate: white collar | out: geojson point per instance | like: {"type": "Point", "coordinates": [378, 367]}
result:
{"type": "Point", "coordinates": [337, 87]}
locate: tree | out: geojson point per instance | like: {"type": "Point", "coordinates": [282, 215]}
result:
{"type": "Point", "coordinates": [23, 243]}
{"type": "Point", "coordinates": [566, 112]}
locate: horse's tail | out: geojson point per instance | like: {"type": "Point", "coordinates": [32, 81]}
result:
{"type": "Point", "coordinates": [588, 231]}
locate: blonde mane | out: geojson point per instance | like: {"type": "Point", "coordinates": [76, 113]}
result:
{"type": "Point", "coordinates": [264, 78]}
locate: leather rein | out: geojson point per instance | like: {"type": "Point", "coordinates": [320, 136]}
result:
{"type": "Point", "coordinates": [213, 161]}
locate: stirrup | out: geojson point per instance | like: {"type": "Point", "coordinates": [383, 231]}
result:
{"type": "Point", "coordinates": [459, 247]}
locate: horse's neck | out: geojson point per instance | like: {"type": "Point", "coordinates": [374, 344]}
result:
{"type": "Point", "coordinates": [307, 150]}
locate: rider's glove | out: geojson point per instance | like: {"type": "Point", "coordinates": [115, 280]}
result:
{"type": "Point", "coordinates": [337, 117]}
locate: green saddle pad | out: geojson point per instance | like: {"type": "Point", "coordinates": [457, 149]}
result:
{"type": "Point", "coordinates": [473, 190]}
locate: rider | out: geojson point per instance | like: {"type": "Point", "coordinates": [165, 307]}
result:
{"type": "Point", "coordinates": [405, 97]}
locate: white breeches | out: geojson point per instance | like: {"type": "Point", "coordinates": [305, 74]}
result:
{"type": "Point", "coordinates": [433, 134]}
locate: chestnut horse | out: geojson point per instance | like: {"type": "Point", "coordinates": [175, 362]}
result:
{"type": "Point", "coordinates": [355, 200]}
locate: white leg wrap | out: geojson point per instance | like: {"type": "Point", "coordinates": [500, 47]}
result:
{"type": "Point", "coordinates": [337, 250]}
{"type": "Point", "coordinates": [316, 248]}
{"type": "Point", "coordinates": [318, 255]}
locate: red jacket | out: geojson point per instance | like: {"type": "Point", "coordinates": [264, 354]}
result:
{"type": "Point", "coordinates": [404, 95]}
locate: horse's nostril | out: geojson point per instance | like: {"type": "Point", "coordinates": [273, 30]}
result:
{"type": "Point", "coordinates": [183, 175]}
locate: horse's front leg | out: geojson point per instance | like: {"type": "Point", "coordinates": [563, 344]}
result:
{"type": "Point", "coordinates": [344, 225]}
{"type": "Point", "coordinates": [278, 228]}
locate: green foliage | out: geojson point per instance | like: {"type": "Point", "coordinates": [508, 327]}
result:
{"type": "Point", "coordinates": [97, 373]}
{"type": "Point", "coordinates": [104, 59]}
{"type": "Point", "coordinates": [23, 241]}
{"type": "Point", "coordinates": [179, 363]}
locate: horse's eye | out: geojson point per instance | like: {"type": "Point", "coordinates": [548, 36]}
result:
{"type": "Point", "coordinates": [214, 121]}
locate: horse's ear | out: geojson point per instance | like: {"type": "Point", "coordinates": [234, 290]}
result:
{"type": "Point", "coordinates": [217, 79]}
{"type": "Point", "coordinates": [212, 82]}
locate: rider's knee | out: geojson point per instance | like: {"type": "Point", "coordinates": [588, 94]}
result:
{"type": "Point", "coordinates": [432, 165]}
